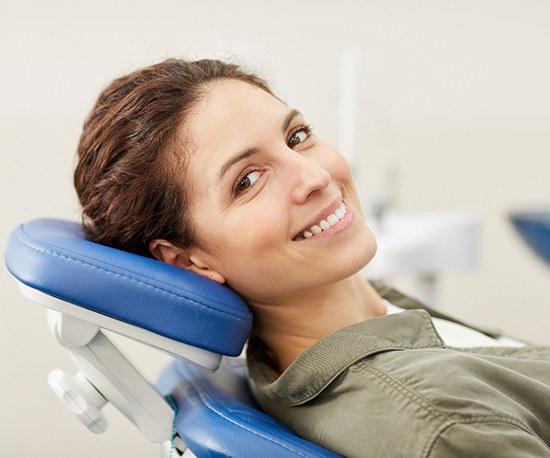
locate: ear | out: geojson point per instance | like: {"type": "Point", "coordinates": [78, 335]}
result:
{"type": "Point", "coordinates": [185, 258]}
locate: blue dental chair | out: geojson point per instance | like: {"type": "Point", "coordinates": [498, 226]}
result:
{"type": "Point", "coordinates": [200, 406]}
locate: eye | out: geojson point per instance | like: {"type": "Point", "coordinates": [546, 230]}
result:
{"type": "Point", "coordinates": [246, 181]}
{"type": "Point", "coordinates": [300, 135]}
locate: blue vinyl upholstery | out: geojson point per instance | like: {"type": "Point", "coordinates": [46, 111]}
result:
{"type": "Point", "coordinates": [52, 256]}
{"type": "Point", "coordinates": [220, 403]}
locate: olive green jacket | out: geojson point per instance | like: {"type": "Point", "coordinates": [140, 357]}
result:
{"type": "Point", "coordinates": [389, 387]}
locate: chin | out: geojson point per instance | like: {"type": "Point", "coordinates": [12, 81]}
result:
{"type": "Point", "coordinates": [359, 255]}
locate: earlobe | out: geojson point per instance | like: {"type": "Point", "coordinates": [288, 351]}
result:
{"type": "Point", "coordinates": [205, 271]}
{"type": "Point", "coordinates": [167, 252]}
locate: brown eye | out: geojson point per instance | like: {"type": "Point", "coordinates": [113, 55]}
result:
{"type": "Point", "coordinates": [247, 181]}
{"type": "Point", "coordinates": [299, 136]}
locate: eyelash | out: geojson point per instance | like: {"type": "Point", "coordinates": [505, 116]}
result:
{"type": "Point", "coordinates": [306, 128]}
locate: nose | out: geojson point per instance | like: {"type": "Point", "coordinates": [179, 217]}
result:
{"type": "Point", "coordinates": [308, 177]}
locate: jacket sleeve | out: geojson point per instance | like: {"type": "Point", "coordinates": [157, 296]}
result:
{"type": "Point", "coordinates": [487, 439]}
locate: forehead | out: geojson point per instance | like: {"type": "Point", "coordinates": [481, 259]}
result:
{"type": "Point", "coordinates": [229, 103]}
{"type": "Point", "coordinates": [231, 116]}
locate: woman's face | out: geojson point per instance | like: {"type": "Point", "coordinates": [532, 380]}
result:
{"type": "Point", "coordinates": [261, 185]}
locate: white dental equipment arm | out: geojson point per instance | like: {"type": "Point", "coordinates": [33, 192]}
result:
{"type": "Point", "coordinates": [105, 375]}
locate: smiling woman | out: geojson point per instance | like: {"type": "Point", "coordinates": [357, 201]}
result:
{"type": "Point", "coordinates": [260, 178]}
{"type": "Point", "coordinates": [199, 165]}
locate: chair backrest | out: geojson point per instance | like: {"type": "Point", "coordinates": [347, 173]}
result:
{"type": "Point", "coordinates": [221, 404]}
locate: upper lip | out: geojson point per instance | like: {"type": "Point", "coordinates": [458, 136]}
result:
{"type": "Point", "coordinates": [331, 208]}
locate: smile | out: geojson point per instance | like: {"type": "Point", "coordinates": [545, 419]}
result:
{"type": "Point", "coordinates": [325, 224]}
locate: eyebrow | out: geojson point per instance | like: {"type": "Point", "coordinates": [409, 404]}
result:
{"type": "Point", "coordinates": [251, 151]}
{"type": "Point", "coordinates": [288, 119]}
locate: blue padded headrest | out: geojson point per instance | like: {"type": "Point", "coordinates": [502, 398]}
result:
{"type": "Point", "coordinates": [52, 256]}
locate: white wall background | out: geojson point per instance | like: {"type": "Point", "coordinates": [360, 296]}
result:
{"type": "Point", "coordinates": [454, 94]}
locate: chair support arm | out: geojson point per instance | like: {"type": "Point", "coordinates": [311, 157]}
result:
{"type": "Point", "coordinates": [113, 376]}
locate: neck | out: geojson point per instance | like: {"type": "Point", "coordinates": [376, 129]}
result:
{"type": "Point", "coordinates": [289, 328]}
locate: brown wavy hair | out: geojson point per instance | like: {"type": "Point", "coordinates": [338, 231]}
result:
{"type": "Point", "coordinates": [132, 155]}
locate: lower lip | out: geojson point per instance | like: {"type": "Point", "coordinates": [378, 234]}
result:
{"type": "Point", "coordinates": [342, 225]}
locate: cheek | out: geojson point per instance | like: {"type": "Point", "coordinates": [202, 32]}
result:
{"type": "Point", "coordinates": [243, 234]}
{"type": "Point", "coordinates": [343, 166]}
{"type": "Point", "coordinates": [247, 251]}
{"type": "Point", "coordinates": [341, 173]}
{"type": "Point", "coordinates": [260, 225]}
{"type": "Point", "coordinates": [337, 165]}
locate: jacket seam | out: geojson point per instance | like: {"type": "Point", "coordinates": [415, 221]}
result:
{"type": "Point", "coordinates": [472, 420]}
{"type": "Point", "coordinates": [409, 394]}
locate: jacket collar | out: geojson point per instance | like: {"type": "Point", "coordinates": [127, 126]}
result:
{"type": "Point", "coordinates": [321, 363]}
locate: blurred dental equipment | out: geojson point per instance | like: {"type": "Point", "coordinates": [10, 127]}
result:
{"type": "Point", "coordinates": [534, 228]}
{"type": "Point", "coordinates": [420, 245]}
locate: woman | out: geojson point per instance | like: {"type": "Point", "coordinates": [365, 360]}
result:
{"type": "Point", "coordinates": [199, 165]}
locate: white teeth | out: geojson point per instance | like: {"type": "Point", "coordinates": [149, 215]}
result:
{"type": "Point", "coordinates": [324, 224]}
